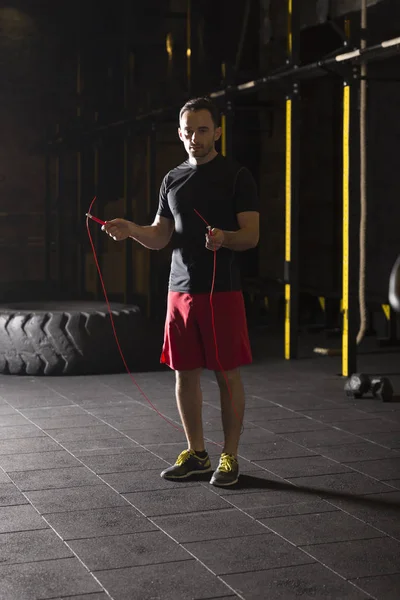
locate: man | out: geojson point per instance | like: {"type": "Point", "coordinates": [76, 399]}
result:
{"type": "Point", "coordinates": [224, 194]}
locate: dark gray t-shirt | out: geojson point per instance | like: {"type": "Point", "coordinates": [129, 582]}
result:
{"type": "Point", "coordinates": [218, 190]}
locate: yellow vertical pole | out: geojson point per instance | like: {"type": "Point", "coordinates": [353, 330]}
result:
{"type": "Point", "coordinates": [288, 219]}
{"type": "Point", "coordinates": [346, 218]}
{"type": "Point", "coordinates": [189, 44]}
{"type": "Point", "coordinates": [223, 118]}
{"type": "Point", "coordinates": [223, 135]}
{"type": "Point", "coordinates": [290, 31]}
{"type": "Point", "coordinates": [292, 182]}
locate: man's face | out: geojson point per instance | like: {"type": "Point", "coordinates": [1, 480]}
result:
{"type": "Point", "coordinates": [198, 133]}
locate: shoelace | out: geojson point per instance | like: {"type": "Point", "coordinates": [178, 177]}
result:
{"type": "Point", "coordinates": [184, 456]}
{"type": "Point", "coordinates": [226, 463]}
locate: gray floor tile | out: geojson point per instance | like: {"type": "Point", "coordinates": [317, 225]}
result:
{"type": "Point", "coordinates": [305, 466]}
{"type": "Point", "coordinates": [131, 410]}
{"type": "Point", "coordinates": [392, 412]}
{"type": "Point", "coordinates": [152, 421]}
{"type": "Point", "coordinates": [47, 579]}
{"type": "Point", "coordinates": [256, 503]}
{"type": "Point", "coordinates": [384, 468]}
{"type": "Point", "coordinates": [37, 401]}
{"type": "Point", "coordinates": [95, 523]}
{"type": "Point", "coordinates": [115, 399]}
{"type": "Point", "coordinates": [51, 412]}
{"type": "Point", "coordinates": [29, 481]}
{"type": "Point", "coordinates": [257, 435]}
{"type": "Point", "coordinates": [386, 587]}
{"type": "Point", "coordinates": [381, 409]}
{"type": "Point", "coordinates": [355, 452]}
{"type": "Point", "coordinates": [114, 463]}
{"type": "Point", "coordinates": [342, 483]}
{"type": "Point", "coordinates": [20, 431]}
{"type": "Point", "coordinates": [269, 450]}
{"type": "Point", "coordinates": [140, 481]}
{"type": "Point", "coordinates": [294, 425]}
{"type": "Point", "coordinates": [27, 445]}
{"type": "Point", "coordinates": [263, 415]}
{"type": "Point", "coordinates": [223, 597]}
{"type": "Point", "coordinates": [390, 440]}
{"type": "Point", "coordinates": [100, 447]}
{"type": "Point", "coordinates": [10, 420]}
{"type": "Point", "coordinates": [67, 422]}
{"type": "Point", "coordinates": [29, 546]}
{"type": "Point", "coordinates": [62, 500]}
{"type": "Point", "coordinates": [394, 482]}
{"type": "Point", "coordinates": [309, 582]}
{"type": "Point", "coordinates": [307, 402]}
{"type": "Point", "coordinates": [215, 426]}
{"type": "Point", "coordinates": [314, 439]}
{"type": "Point", "coordinates": [37, 460]}
{"type": "Point", "coordinates": [10, 495]}
{"type": "Point", "coordinates": [359, 558]}
{"type": "Point", "coordinates": [112, 552]}
{"type": "Point", "coordinates": [380, 510]}
{"type": "Point", "coordinates": [336, 415]}
{"type": "Point", "coordinates": [365, 426]}
{"type": "Point", "coordinates": [5, 409]}
{"type": "Point", "coordinates": [150, 436]}
{"type": "Point", "coordinates": [176, 501]}
{"type": "Point", "coordinates": [237, 555]}
{"type": "Point", "coordinates": [190, 580]}
{"type": "Point", "coordinates": [300, 508]}
{"type": "Point", "coordinates": [97, 596]}
{"type": "Point", "coordinates": [4, 478]}
{"type": "Point", "coordinates": [20, 518]}
{"type": "Point", "coordinates": [99, 432]}
{"type": "Point", "coordinates": [320, 528]}
{"type": "Point", "coordinates": [208, 525]}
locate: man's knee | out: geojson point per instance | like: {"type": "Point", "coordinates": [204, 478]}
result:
{"type": "Point", "coordinates": [184, 377]}
{"type": "Point", "coordinates": [231, 377]}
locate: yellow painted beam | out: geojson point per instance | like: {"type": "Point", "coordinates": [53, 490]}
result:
{"type": "Point", "coordinates": [346, 217]}
{"type": "Point", "coordinates": [288, 216]}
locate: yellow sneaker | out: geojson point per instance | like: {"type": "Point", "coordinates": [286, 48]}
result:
{"type": "Point", "coordinates": [187, 463]}
{"type": "Point", "coordinates": [227, 472]}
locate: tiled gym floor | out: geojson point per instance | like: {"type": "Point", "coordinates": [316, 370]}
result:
{"type": "Point", "coordinates": [84, 514]}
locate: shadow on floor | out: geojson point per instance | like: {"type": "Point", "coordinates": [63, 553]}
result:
{"type": "Point", "coordinates": [257, 483]}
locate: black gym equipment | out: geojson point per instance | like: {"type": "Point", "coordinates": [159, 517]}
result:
{"type": "Point", "coordinates": [360, 384]}
{"type": "Point", "coordinates": [75, 338]}
{"type": "Point", "coordinates": [394, 286]}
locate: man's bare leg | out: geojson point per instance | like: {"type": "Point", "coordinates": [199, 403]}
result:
{"type": "Point", "coordinates": [232, 407]}
{"type": "Point", "coordinates": [189, 400]}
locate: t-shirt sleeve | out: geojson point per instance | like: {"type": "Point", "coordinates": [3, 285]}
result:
{"type": "Point", "coordinates": [163, 206]}
{"type": "Point", "coordinates": [245, 192]}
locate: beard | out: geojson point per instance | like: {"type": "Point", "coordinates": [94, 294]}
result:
{"type": "Point", "coordinates": [201, 151]}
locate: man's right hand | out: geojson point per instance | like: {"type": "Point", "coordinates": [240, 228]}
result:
{"type": "Point", "coordinates": [118, 229]}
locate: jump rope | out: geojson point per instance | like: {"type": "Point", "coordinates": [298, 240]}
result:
{"type": "Point", "coordinates": [100, 222]}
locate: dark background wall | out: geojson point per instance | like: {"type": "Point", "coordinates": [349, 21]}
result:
{"type": "Point", "coordinates": [124, 70]}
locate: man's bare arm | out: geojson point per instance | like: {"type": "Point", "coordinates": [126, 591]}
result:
{"type": "Point", "coordinates": [247, 235]}
{"type": "Point", "coordinates": [154, 237]}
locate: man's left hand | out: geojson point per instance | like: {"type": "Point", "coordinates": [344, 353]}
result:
{"type": "Point", "coordinates": [215, 239]}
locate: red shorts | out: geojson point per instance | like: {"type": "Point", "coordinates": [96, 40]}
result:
{"type": "Point", "coordinates": [189, 341]}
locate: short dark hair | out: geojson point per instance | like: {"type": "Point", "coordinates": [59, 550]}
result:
{"type": "Point", "coordinates": [203, 103]}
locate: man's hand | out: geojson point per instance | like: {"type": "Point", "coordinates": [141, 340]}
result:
{"type": "Point", "coordinates": [214, 239]}
{"type": "Point", "coordinates": [118, 229]}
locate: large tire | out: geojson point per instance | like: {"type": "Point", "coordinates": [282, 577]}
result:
{"type": "Point", "coordinates": [54, 338]}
